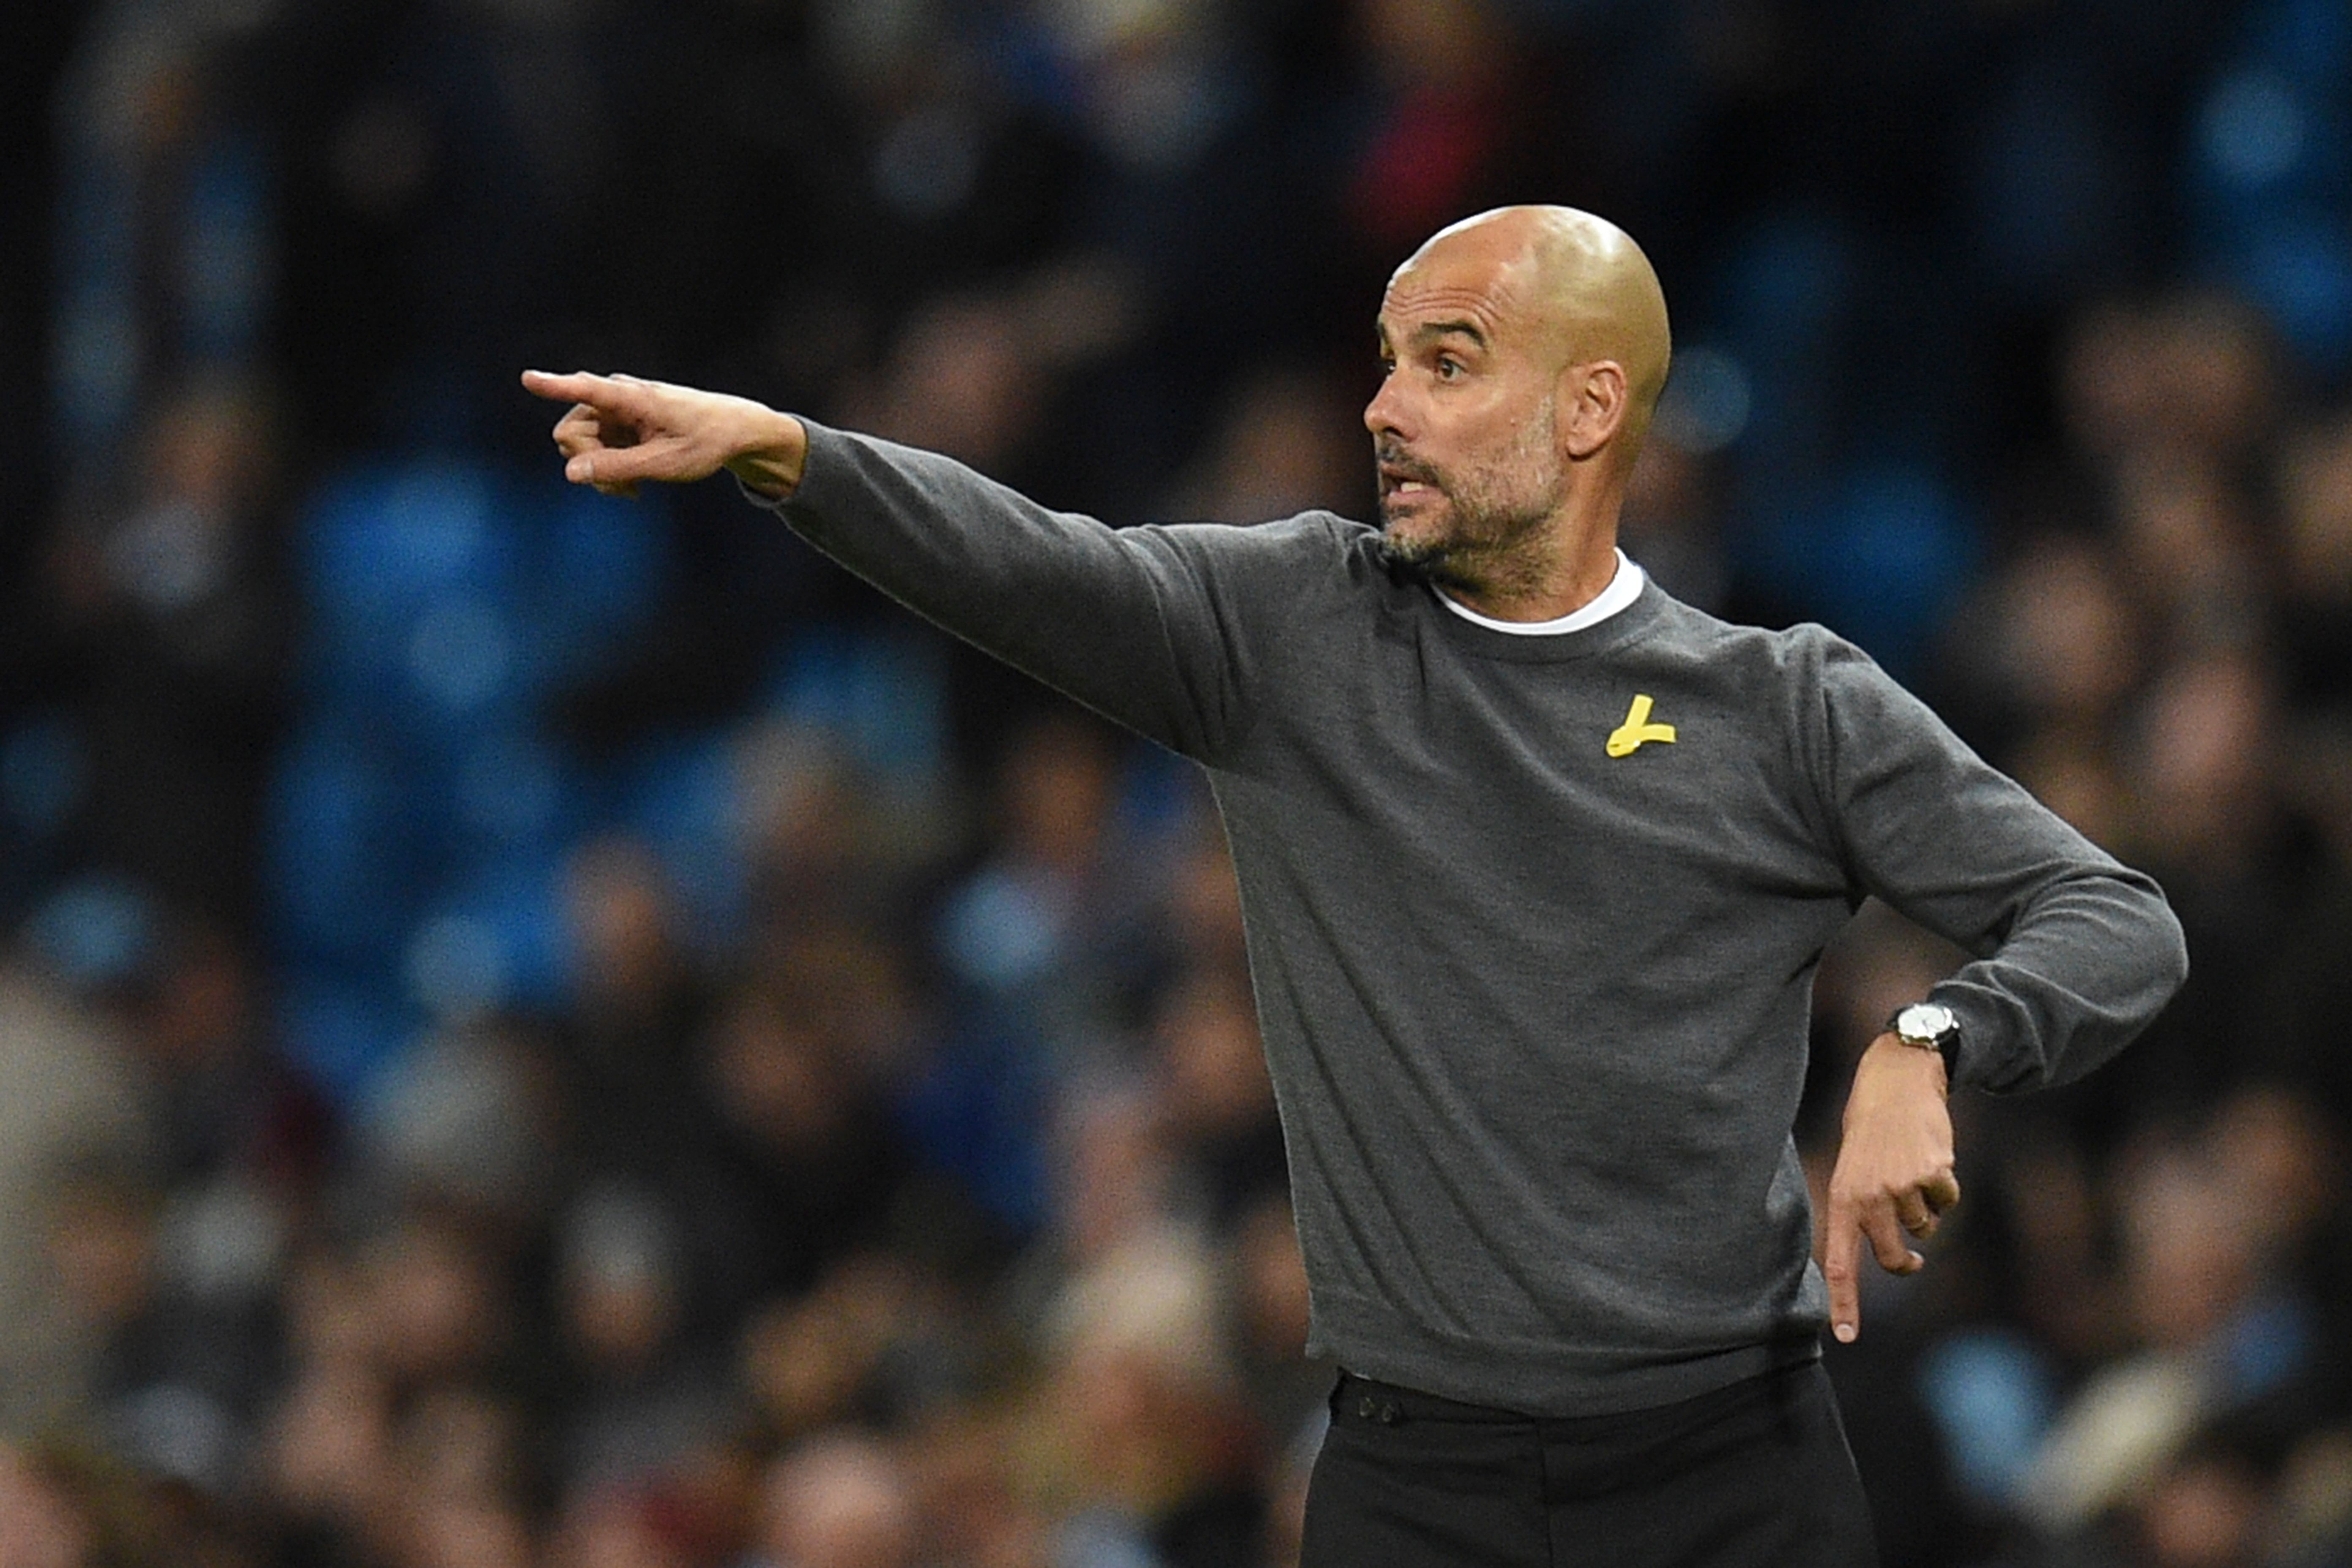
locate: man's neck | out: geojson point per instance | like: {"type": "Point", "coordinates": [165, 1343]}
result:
{"type": "Point", "coordinates": [1531, 579]}
{"type": "Point", "coordinates": [1624, 588]}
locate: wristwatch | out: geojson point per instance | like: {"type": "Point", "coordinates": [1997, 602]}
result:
{"type": "Point", "coordinates": [1931, 1027]}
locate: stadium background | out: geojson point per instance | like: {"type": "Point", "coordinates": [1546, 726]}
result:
{"type": "Point", "coordinates": [537, 1029]}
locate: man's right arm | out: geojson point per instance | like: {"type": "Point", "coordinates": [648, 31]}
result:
{"type": "Point", "coordinates": [1159, 629]}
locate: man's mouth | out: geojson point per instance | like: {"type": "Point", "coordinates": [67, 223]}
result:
{"type": "Point", "coordinates": [1405, 481]}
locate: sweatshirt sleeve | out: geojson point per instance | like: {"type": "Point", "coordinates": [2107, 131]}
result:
{"type": "Point", "coordinates": [2074, 953]}
{"type": "Point", "coordinates": [1161, 629]}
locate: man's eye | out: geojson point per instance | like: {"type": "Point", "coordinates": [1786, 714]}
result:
{"type": "Point", "coordinates": [1448, 367]}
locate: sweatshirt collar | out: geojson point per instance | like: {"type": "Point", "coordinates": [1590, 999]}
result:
{"type": "Point", "coordinates": [1625, 586]}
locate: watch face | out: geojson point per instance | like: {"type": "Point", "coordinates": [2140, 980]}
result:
{"type": "Point", "coordinates": [1924, 1021]}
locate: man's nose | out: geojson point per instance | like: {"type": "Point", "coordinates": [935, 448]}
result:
{"type": "Point", "coordinates": [1383, 414]}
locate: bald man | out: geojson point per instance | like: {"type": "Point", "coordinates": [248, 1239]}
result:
{"type": "Point", "coordinates": [1536, 865]}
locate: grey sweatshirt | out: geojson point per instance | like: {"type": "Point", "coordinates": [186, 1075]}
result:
{"type": "Point", "coordinates": [1535, 1003]}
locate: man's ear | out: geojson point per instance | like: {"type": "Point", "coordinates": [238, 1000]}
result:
{"type": "Point", "coordinates": [1593, 408]}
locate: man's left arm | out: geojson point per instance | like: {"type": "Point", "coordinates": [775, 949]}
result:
{"type": "Point", "coordinates": [2073, 952]}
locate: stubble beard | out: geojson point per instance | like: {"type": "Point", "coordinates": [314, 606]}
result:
{"type": "Point", "coordinates": [1489, 509]}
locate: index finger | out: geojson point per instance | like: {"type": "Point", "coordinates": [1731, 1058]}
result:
{"type": "Point", "coordinates": [578, 387]}
{"type": "Point", "coordinates": [1839, 1262]}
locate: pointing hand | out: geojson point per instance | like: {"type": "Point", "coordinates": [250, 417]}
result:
{"type": "Point", "coordinates": [621, 431]}
{"type": "Point", "coordinates": [1893, 1171]}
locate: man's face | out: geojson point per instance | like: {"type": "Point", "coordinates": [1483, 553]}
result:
{"type": "Point", "coordinates": [1462, 426]}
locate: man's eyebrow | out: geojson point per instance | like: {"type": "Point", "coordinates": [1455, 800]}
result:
{"type": "Point", "coordinates": [1468, 329]}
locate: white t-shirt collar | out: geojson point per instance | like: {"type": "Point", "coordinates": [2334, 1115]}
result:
{"type": "Point", "coordinates": [1624, 587]}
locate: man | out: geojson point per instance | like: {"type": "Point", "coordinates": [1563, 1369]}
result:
{"type": "Point", "coordinates": [1536, 865]}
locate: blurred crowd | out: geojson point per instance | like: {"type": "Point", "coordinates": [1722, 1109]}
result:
{"type": "Point", "coordinates": [542, 1030]}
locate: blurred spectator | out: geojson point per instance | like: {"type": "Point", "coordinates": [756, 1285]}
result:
{"type": "Point", "coordinates": [1287, 446]}
{"type": "Point", "coordinates": [2190, 377]}
{"type": "Point", "coordinates": [2187, 546]}
{"type": "Point", "coordinates": [799, 1164]}
{"type": "Point", "coordinates": [40, 1527]}
{"type": "Point", "coordinates": [458, 1463]}
{"type": "Point", "coordinates": [2221, 1329]}
{"type": "Point", "coordinates": [77, 1095]}
{"type": "Point", "coordinates": [2208, 822]}
{"type": "Point", "coordinates": [2314, 484]}
{"type": "Point", "coordinates": [1445, 124]}
{"type": "Point", "coordinates": [968, 1482]}
{"type": "Point", "coordinates": [626, 1052]}
{"type": "Point", "coordinates": [880, 1340]}
{"type": "Point", "coordinates": [1672, 524]}
{"type": "Point", "coordinates": [621, 1528]}
{"type": "Point", "coordinates": [961, 379]}
{"type": "Point", "coordinates": [839, 1501]}
{"type": "Point", "coordinates": [1215, 1095]}
{"type": "Point", "coordinates": [637, 1397]}
{"type": "Point", "coordinates": [167, 218]}
{"type": "Point", "coordinates": [1267, 1282]}
{"type": "Point", "coordinates": [169, 614]}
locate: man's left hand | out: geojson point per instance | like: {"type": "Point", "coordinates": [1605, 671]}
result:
{"type": "Point", "coordinates": [1894, 1173]}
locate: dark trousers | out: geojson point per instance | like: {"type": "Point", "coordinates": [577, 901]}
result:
{"type": "Point", "coordinates": [1755, 1475]}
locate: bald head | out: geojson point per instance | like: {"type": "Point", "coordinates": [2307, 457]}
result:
{"type": "Point", "coordinates": [1523, 352]}
{"type": "Point", "coordinates": [1577, 283]}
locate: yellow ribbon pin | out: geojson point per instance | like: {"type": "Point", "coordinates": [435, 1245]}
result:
{"type": "Point", "coordinates": [1637, 728]}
